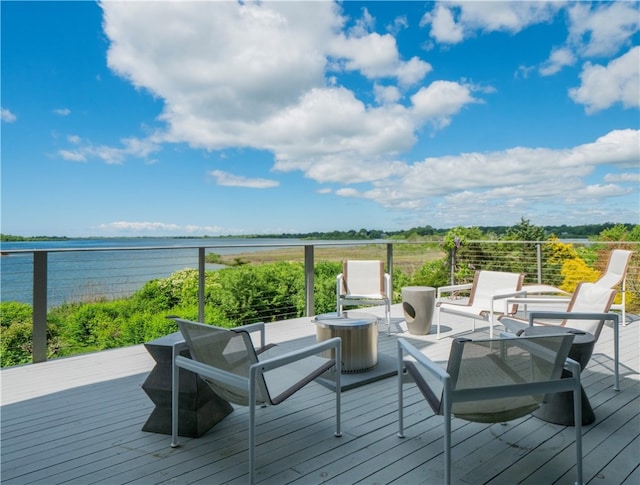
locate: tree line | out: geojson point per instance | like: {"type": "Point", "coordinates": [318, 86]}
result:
{"type": "Point", "coordinates": [562, 231]}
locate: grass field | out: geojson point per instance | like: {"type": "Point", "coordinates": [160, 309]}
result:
{"type": "Point", "coordinates": [408, 257]}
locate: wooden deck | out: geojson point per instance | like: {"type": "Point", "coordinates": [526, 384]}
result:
{"type": "Point", "coordinates": [78, 420]}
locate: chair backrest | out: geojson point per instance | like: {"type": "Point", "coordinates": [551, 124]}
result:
{"type": "Point", "coordinates": [363, 277]}
{"type": "Point", "coordinates": [226, 350]}
{"type": "Point", "coordinates": [590, 298]}
{"type": "Point", "coordinates": [478, 366]}
{"type": "Point", "coordinates": [487, 283]}
{"type": "Point", "coordinates": [616, 268]}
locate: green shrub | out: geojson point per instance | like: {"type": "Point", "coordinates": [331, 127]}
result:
{"type": "Point", "coordinates": [433, 273]}
{"type": "Point", "coordinates": [16, 337]}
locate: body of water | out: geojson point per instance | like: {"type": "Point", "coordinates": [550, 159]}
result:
{"type": "Point", "coordinates": [117, 269]}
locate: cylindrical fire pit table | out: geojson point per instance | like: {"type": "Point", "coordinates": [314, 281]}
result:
{"type": "Point", "coordinates": [418, 303]}
{"type": "Point", "coordinates": [359, 334]}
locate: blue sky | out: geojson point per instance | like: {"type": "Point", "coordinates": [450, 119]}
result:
{"type": "Point", "coordinates": [216, 118]}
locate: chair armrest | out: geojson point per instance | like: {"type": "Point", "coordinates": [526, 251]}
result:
{"type": "Point", "coordinates": [538, 299]}
{"type": "Point", "coordinates": [452, 288]}
{"type": "Point", "coordinates": [511, 294]}
{"type": "Point", "coordinates": [295, 355]}
{"type": "Point", "coordinates": [573, 367]}
{"type": "Point", "coordinates": [205, 370]}
{"type": "Point", "coordinates": [506, 296]}
{"type": "Point", "coordinates": [614, 317]}
{"type": "Point", "coordinates": [254, 327]}
{"type": "Point", "coordinates": [541, 289]}
{"type": "Point", "coordinates": [434, 368]}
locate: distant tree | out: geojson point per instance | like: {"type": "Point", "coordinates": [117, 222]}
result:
{"type": "Point", "coordinates": [465, 250]}
{"type": "Point", "coordinates": [525, 231]}
{"type": "Point", "coordinates": [619, 232]}
{"type": "Point", "coordinates": [521, 258]}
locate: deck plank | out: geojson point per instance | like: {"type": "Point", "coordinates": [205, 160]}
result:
{"type": "Point", "coordinates": [79, 419]}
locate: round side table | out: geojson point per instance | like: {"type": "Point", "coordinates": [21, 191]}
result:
{"type": "Point", "coordinates": [417, 304]}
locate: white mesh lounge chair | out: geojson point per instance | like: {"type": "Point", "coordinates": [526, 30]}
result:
{"type": "Point", "coordinates": [364, 283]}
{"type": "Point", "coordinates": [588, 298]}
{"type": "Point", "coordinates": [486, 292]}
{"type": "Point", "coordinates": [492, 381]}
{"type": "Point", "coordinates": [236, 371]}
{"type": "Point", "coordinates": [614, 277]}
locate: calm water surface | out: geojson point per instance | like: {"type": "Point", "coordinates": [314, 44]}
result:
{"type": "Point", "coordinates": [75, 274]}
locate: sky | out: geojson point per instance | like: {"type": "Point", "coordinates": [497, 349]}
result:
{"type": "Point", "coordinates": [185, 118]}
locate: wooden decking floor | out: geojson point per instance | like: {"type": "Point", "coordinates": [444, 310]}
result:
{"type": "Point", "coordinates": [78, 420]}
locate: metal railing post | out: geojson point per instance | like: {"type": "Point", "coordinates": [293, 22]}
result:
{"type": "Point", "coordinates": [390, 260]}
{"type": "Point", "coordinates": [539, 261]}
{"type": "Point", "coordinates": [201, 278]}
{"type": "Point", "coordinates": [452, 259]}
{"type": "Point", "coordinates": [39, 353]}
{"type": "Point", "coordinates": [308, 281]}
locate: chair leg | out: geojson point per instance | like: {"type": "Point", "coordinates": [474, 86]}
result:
{"type": "Point", "coordinates": [387, 316]}
{"type": "Point", "coordinates": [175, 394]}
{"type": "Point", "coordinates": [447, 447]}
{"type": "Point", "coordinates": [338, 389]}
{"type": "Point", "coordinates": [577, 415]}
{"type": "Point", "coordinates": [400, 396]}
{"type": "Point", "coordinates": [252, 429]}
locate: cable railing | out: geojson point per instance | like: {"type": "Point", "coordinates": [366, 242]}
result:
{"type": "Point", "coordinates": [47, 278]}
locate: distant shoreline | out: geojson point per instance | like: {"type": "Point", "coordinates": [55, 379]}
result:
{"type": "Point", "coordinates": [562, 231]}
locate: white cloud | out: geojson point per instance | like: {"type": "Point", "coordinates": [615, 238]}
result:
{"type": "Point", "coordinates": [601, 29]}
{"type": "Point", "coordinates": [231, 180]}
{"type": "Point", "coordinates": [505, 178]}
{"type": "Point", "coordinates": [452, 22]}
{"type": "Point", "coordinates": [73, 156]}
{"type": "Point", "coordinates": [626, 177]}
{"type": "Point", "coordinates": [594, 30]}
{"type": "Point", "coordinates": [259, 75]}
{"type": "Point", "coordinates": [441, 100]}
{"type": "Point", "coordinates": [7, 116]}
{"type": "Point", "coordinates": [443, 26]}
{"type": "Point", "coordinates": [364, 24]}
{"type": "Point", "coordinates": [266, 76]}
{"type": "Point", "coordinates": [62, 111]}
{"type": "Point", "coordinates": [376, 56]}
{"type": "Point", "coordinates": [139, 226]}
{"type": "Point", "coordinates": [131, 147]}
{"type": "Point", "coordinates": [399, 23]}
{"type": "Point", "coordinates": [559, 58]}
{"type": "Point", "coordinates": [158, 228]}
{"type": "Point", "coordinates": [386, 94]}
{"type": "Point", "coordinates": [603, 86]}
